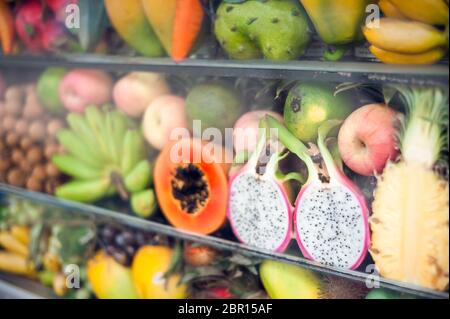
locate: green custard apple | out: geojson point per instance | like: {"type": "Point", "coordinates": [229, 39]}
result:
{"type": "Point", "coordinates": [273, 29]}
{"type": "Point", "coordinates": [309, 104]}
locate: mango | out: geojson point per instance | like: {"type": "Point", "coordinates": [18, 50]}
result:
{"type": "Point", "coordinates": [109, 279]}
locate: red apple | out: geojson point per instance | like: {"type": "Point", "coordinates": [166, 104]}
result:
{"type": "Point", "coordinates": [246, 129]}
{"type": "Point", "coordinates": [81, 87]}
{"type": "Point", "coordinates": [367, 139]}
{"type": "Point", "coordinates": [136, 91]}
{"type": "Point", "coordinates": [164, 114]}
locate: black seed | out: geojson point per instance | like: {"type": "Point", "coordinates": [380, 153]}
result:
{"type": "Point", "coordinates": [251, 20]}
{"type": "Point", "coordinates": [229, 9]}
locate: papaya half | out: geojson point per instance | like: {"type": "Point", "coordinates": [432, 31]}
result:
{"type": "Point", "coordinates": [128, 19]}
{"type": "Point", "coordinates": [191, 186]}
{"type": "Point", "coordinates": [177, 23]}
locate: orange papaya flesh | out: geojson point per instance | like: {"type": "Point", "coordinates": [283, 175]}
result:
{"type": "Point", "coordinates": [191, 187]}
{"type": "Point", "coordinates": [129, 20]}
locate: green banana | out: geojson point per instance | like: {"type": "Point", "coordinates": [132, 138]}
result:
{"type": "Point", "coordinates": [81, 127]}
{"type": "Point", "coordinates": [112, 144]}
{"type": "Point", "coordinates": [139, 177]}
{"type": "Point", "coordinates": [338, 22]}
{"type": "Point", "coordinates": [133, 150]}
{"type": "Point", "coordinates": [84, 191]}
{"type": "Point", "coordinates": [120, 126]}
{"type": "Point", "coordinates": [76, 147]}
{"type": "Point", "coordinates": [95, 120]}
{"type": "Point", "coordinates": [70, 165]}
{"type": "Point", "coordinates": [144, 203]}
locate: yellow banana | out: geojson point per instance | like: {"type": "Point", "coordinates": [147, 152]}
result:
{"type": "Point", "coordinates": [337, 22]}
{"type": "Point", "coordinates": [16, 264]}
{"type": "Point", "coordinates": [407, 37]}
{"type": "Point", "coordinates": [429, 57]}
{"type": "Point", "coordinates": [11, 244]}
{"type": "Point", "coordinates": [389, 10]}
{"type": "Point", "coordinates": [427, 11]}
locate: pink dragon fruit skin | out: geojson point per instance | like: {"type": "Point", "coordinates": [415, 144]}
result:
{"type": "Point", "coordinates": [362, 202]}
{"type": "Point", "coordinates": [330, 215]}
{"type": "Point", "coordinates": [282, 238]}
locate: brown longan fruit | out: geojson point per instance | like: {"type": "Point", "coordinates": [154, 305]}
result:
{"type": "Point", "coordinates": [5, 164]}
{"type": "Point", "coordinates": [16, 177]}
{"type": "Point", "coordinates": [13, 107]}
{"type": "Point", "coordinates": [12, 139]}
{"type": "Point", "coordinates": [21, 127]}
{"type": "Point", "coordinates": [26, 143]}
{"type": "Point", "coordinates": [34, 155]}
{"type": "Point", "coordinates": [37, 131]}
{"type": "Point", "coordinates": [17, 156]}
{"type": "Point", "coordinates": [51, 170]}
{"type": "Point", "coordinates": [34, 184]}
{"type": "Point", "coordinates": [50, 150]}
{"type": "Point", "coordinates": [25, 166]}
{"type": "Point", "coordinates": [2, 109]}
{"type": "Point", "coordinates": [53, 126]}
{"type": "Point", "coordinates": [14, 93]}
{"type": "Point", "coordinates": [39, 172]}
{"type": "Point", "coordinates": [33, 107]}
{"type": "Point", "coordinates": [8, 123]}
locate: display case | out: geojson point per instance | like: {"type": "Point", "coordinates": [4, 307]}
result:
{"type": "Point", "coordinates": [71, 123]}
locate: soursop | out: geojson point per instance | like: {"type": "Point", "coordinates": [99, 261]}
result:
{"type": "Point", "coordinates": [273, 29]}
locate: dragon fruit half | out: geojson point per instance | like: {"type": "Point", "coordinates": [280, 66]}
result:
{"type": "Point", "coordinates": [331, 214]}
{"type": "Point", "coordinates": [259, 210]}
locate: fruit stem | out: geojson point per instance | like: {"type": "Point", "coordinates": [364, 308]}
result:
{"type": "Point", "coordinates": [330, 164]}
{"type": "Point", "coordinates": [292, 143]}
{"type": "Point", "coordinates": [117, 181]}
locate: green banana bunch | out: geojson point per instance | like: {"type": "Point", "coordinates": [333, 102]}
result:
{"type": "Point", "coordinates": [105, 155]}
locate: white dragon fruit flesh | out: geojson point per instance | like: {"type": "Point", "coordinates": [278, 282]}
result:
{"type": "Point", "coordinates": [259, 210]}
{"type": "Point", "coordinates": [330, 214]}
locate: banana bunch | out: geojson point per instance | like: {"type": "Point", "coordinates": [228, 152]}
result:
{"type": "Point", "coordinates": [105, 154]}
{"type": "Point", "coordinates": [407, 35]}
{"type": "Point", "coordinates": [14, 251]}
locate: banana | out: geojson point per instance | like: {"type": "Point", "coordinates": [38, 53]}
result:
{"type": "Point", "coordinates": [429, 57]}
{"type": "Point", "coordinates": [73, 167]}
{"type": "Point", "coordinates": [84, 191]}
{"type": "Point", "coordinates": [390, 10]}
{"type": "Point", "coordinates": [427, 11]}
{"type": "Point", "coordinates": [110, 141]}
{"type": "Point", "coordinates": [96, 122]}
{"type": "Point", "coordinates": [11, 244]}
{"type": "Point", "coordinates": [16, 264]}
{"type": "Point", "coordinates": [120, 126]}
{"type": "Point", "coordinates": [80, 126]}
{"type": "Point", "coordinates": [408, 37]}
{"type": "Point", "coordinates": [133, 150]}
{"type": "Point", "coordinates": [144, 203]}
{"type": "Point", "coordinates": [139, 177]}
{"type": "Point", "coordinates": [76, 147]}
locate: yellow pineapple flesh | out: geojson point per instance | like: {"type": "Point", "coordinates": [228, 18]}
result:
{"type": "Point", "coordinates": [410, 234]}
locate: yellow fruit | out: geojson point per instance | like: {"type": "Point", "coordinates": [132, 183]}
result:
{"type": "Point", "coordinates": [409, 226]}
{"type": "Point", "coordinates": [388, 57]}
{"type": "Point", "coordinates": [427, 11]}
{"type": "Point", "coordinates": [21, 233]}
{"type": "Point", "coordinates": [390, 10]}
{"type": "Point", "coordinates": [286, 281]}
{"type": "Point", "coordinates": [337, 22]}
{"type": "Point", "coordinates": [10, 243]}
{"type": "Point", "coordinates": [16, 264]}
{"type": "Point", "coordinates": [402, 36]}
{"type": "Point", "coordinates": [149, 266]}
{"type": "Point", "coordinates": [109, 279]}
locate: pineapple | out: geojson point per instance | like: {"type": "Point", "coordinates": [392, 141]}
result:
{"type": "Point", "coordinates": [410, 234]}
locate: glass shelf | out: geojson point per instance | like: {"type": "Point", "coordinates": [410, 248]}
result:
{"type": "Point", "coordinates": [342, 71]}
{"type": "Point", "coordinates": [102, 214]}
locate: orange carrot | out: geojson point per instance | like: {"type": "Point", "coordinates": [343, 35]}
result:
{"type": "Point", "coordinates": [6, 28]}
{"type": "Point", "coordinates": [188, 22]}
